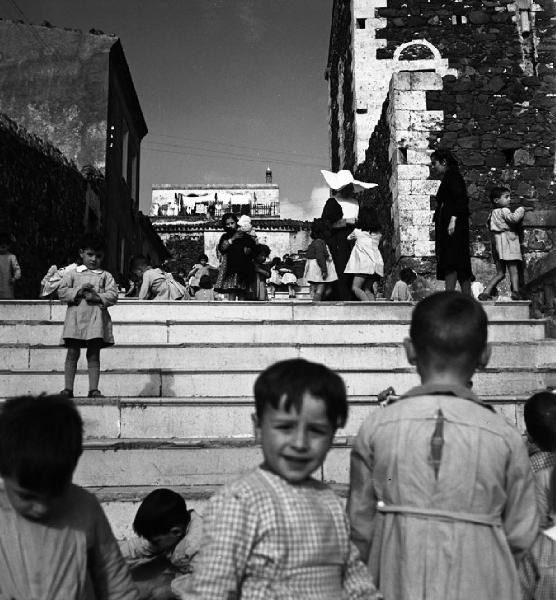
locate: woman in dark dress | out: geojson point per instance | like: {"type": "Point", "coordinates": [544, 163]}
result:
{"type": "Point", "coordinates": [451, 224]}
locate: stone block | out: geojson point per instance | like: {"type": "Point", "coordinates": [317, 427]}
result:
{"type": "Point", "coordinates": [425, 81]}
{"type": "Point", "coordinates": [413, 202]}
{"type": "Point", "coordinates": [418, 157]}
{"type": "Point", "coordinates": [409, 100]}
{"type": "Point", "coordinates": [424, 248]}
{"type": "Point", "coordinates": [401, 119]}
{"type": "Point", "coordinates": [425, 186]}
{"type": "Point", "coordinates": [412, 172]}
{"type": "Point", "coordinates": [429, 120]}
{"type": "Point", "coordinates": [401, 81]}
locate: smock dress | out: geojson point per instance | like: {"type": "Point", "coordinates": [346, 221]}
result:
{"type": "Point", "coordinates": [86, 321]}
{"type": "Point", "coordinates": [452, 251]}
{"type": "Point", "coordinates": [365, 258]}
{"type": "Point", "coordinates": [159, 285]}
{"type": "Point", "coordinates": [503, 225]}
{"type": "Point", "coordinates": [72, 555]}
{"type": "Point", "coordinates": [442, 498]}
{"type": "Point", "coordinates": [319, 258]}
{"type": "Point", "coordinates": [267, 539]}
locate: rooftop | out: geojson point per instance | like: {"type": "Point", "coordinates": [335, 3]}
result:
{"type": "Point", "coordinates": [216, 186]}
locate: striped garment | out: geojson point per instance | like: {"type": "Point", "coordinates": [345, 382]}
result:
{"type": "Point", "coordinates": [537, 571]}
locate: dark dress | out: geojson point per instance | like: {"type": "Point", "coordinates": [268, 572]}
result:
{"type": "Point", "coordinates": [236, 271]}
{"type": "Point", "coordinates": [452, 251]}
{"type": "Point", "coordinates": [340, 249]}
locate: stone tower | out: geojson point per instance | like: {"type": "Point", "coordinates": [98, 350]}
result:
{"type": "Point", "coordinates": [476, 76]}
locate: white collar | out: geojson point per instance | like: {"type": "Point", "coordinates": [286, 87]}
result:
{"type": "Point", "coordinates": [82, 268]}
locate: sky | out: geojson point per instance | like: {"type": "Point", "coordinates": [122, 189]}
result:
{"type": "Point", "coordinates": [226, 87]}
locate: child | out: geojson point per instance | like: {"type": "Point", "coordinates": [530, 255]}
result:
{"type": "Point", "coordinates": [10, 271]}
{"type": "Point", "coordinates": [277, 532]}
{"type": "Point", "coordinates": [275, 279]}
{"type": "Point", "coordinates": [51, 281]}
{"type": "Point", "coordinates": [88, 291]}
{"type": "Point", "coordinates": [506, 250]}
{"type": "Point", "coordinates": [167, 531]}
{"type": "Point", "coordinates": [402, 290]}
{"type": "Point", "coordinates": [537, 570]}
{"type": "Point", "coordinates": [205, 291]}
{"type": "Point", "coordinates": [156, 283]}
{"type": "Point", "coordinates": [365, 261]}
{"type": "Point", "coordinates": [540, 420]}
{"type": "Point", "coordinates": [55, 542]}
{"type": "Point", "coordinates": [288, 277]}
{"type": "Point", "coordinates": [199, 269]}
{"type": "Point", "coordinates": [442, 498]}
{"type": "Point", "coordinates": [262, 272]}
{"type": "Point", "coordinates": [319, 268]}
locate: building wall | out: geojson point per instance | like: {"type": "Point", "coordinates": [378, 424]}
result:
{"type": "Point", "coordinates": [497, 98]}
{"type": "Point", "coordinates": [54, 82]}
{"type": "Point", "coordinates": [203, 200]}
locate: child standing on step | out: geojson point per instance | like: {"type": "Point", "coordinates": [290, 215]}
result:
{"type": "Point", "coordinates": [55, 540]}
{"type": "Point", "coordinates": [276, 532]}
{"type": "Point", "coordinates": [320, 272]}
{"type": "Point", "coordinates": [506, 250]}
{"type": "Point", "coordinates": [365, 262]}
{"type": "Point", "coordinates": [430, 525]}
{"type": "Point", "coordinates": [88, 291]}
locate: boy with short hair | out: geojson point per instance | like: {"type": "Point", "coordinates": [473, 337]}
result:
{"type": "Point", "coordinates": [55, 541]}
{"type": "Point", "coordinates": [276, 532]}
{"type": "Point", "coordinates": [506, 250]}
{"type": "Point", "coordinates": [166, 530]}
{"type": "Point", "coordinates": [540, 420]}
{"type": "Point", "coordinates": [442, 497]}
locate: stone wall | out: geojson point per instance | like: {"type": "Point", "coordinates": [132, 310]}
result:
{"type": "Point", "coordinates": [45, 202]}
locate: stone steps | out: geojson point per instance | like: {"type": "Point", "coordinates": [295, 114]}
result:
{"type": "Point", "coordinates": [136, 383]}
{"type": "Point", "coordinates": [230, 356]}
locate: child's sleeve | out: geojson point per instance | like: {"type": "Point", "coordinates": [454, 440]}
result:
{"type": "Point", "coordinates": [361, 504]}
{"type": "Point", "coordinates": [529, 576]}
{"type": "Point", "coordinates": [145, 286]}
{"type": "Point", "coordinates": [66, 291]}
{"type": "Point", "coordinates": [229, 531]}
{"type": "Point", "coordinates": [109, 574]}
{"type": "Point", "coordinates": [16, 269]}
{"type": "Point", "coordinates": [109, 296]}
{"type": "Point", "coordinates": [137, 551]}
{"type": "Point", "coordinates": [352, 235]}
{"type": "Point", "coordinates": [520, 518]}
{"type": "Point", "coordinates": [357, 581]}
{"type": "Point", "coordinates": [512, 218]}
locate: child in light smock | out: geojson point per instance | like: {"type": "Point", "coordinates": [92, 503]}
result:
{"type": "Point", "coordinates": [88, 291]}
{"type": "Point", "coordinates": [365, 263]}
{"type": "Point", "coordinates": [506, 249]}
{"type": "Point", "coordinates": [55, 541]}
{"type": "Point", "coordinates": [277, 532]}
{"type": "Point", "coordinates": [156, 283]}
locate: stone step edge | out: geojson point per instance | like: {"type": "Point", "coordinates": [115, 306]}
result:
{"type": "Point", "coordinates": [134, 493]}
{"type": "Point", "coordinates": [254, 372]}
{"type": "Point", "coordinates": [280, 322]}
{"type": "Point", "coordinates": [296, 345]}
{"type": "Point", "coordinates": [188, 401]}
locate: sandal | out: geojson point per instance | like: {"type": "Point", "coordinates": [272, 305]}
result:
{"type": "Point", "coordinates": [95, 394]}
{"type": "Point", "coordinates": [65, 393]}
{"type": "Point", "coordinates": [484, 297]}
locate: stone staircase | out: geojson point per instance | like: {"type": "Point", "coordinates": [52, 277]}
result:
{"type": "Point", "coordinates": [179, 381]}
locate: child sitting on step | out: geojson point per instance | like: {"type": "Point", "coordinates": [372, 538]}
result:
{"type": "Point", "coordinates": [540, 420]}
{"type": "Point", "coordinates": [277, 532]}
{"type": "Point", "coordinates": [402, 289]}
{"type": "Point", "coordinates": [204, 291]}
{"type": "Point", "coordinates": [156, 283]}
{"type": "Point", "coordinates": [55, 540]}
{"type": "Point", "coordinates": [167, 546]}
{"type": "Point", "coordinates": [199, 269]}
{"type": "Point", "coordinates": [88, 291]}
{"type": "Point", "coordinates": [459, 524]}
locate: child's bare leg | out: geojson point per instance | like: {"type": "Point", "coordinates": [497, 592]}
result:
{"type": "Point", "coordinates": [70, 366]}
{"type": "Point", "coordinates": [500, 274]}
{"type": "Point", "coordinates": [93, 365]}
{"type": "Point", "coordinates": [465, 286]}
{"type": "Point", "coordinates": [327, 291]}
{"type": "Point", "coordinates": [319, 291]}
{"type": "Point", "coordinates": [513, 270]}
{"type": "Point", "coordinates": [357, 288]}
{"type": "Point", "coordinates": [451, 279]}
{"type": "Point", "coordinates": [291, 291]}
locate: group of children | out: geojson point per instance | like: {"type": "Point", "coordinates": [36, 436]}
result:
{"type": "Point", "coordinates": [442, 503]}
